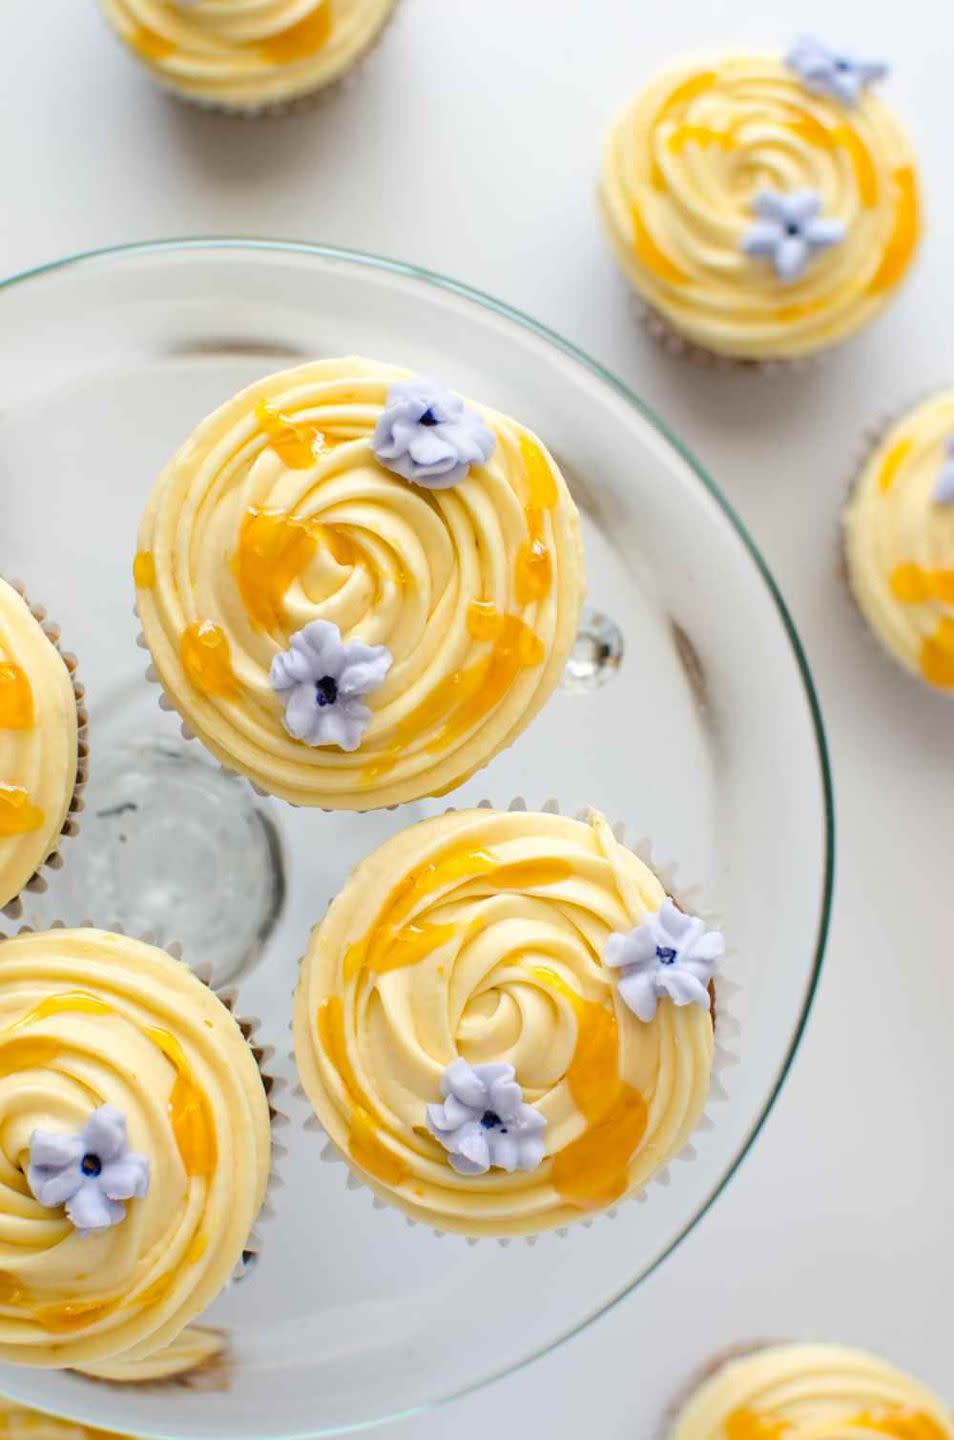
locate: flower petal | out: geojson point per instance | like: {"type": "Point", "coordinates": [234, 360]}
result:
{"type": "Point", "coordinates": [52, 1187]}
{"type": "Point", "coordinates": [104, 1133]}
{"type": "Point", "coordinates": [89, 1209]}
{"type": "Point", "coordinates": [791, 258]}
{"type": "Point", "coordinates": [683, 988]}
{"type": "Point", "coordinates": [823, 233]}
{"type": "Point", "coordinates": [762, 237]}
{"type": "Point", "coordinates": [301, 714]}
{"type": "Point", "coordinates": [504, 1150]}
{"type": "Point", "coordinates": [126, 1178]}
{"type": "Point", "coordinates": [770, 205]}
{"type": "Point", "coordinates": [506, 1097]}
{"type": "Point", "coordinates": [530, 1152]}
{"type": "Point", "coordinates": [462, 1081]}
{"type": "Point", "coordinates": [364, 669]}
{"type": "Point", "coordinates": [801, 206]}
{"type": "Point", "coordinates": [472, 1144]}
{"type": "Point", "coordinates": [52, 1150]}
{"type": "Point", "coordinates": [638, 991]}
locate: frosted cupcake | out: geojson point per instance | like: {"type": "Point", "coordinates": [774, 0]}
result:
{"type": "Point", "coordinates": [19, 1422]}
{"type": "Point", "coordinates": [42, 746]}
{"type": "Point", "coordinates": [233, 56]}
{"type": "Point", "coordinates": [763, 207]}
{"type": "Point", "coordinates": [356, 587]}
{"type": "Point", "coordinates": [504, 1024]}
{"type": "Point", "coordinates": [899, 541]}
{"type": "Point", "coordinates": [135, 1148]}
{"type": "Point", "coordinates": [806, 1392]}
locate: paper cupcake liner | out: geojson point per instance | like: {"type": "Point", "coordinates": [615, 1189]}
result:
{"type": "Point", "coordinates": [298, 104]}
{"type": "Point", "coordinates": [871, 437]}
{"type": "Point", "coordinates": [212, 1375]}
{"type": "Point", "coordinates": [706, 1372]}
{"type": "Point", "coordinates": [262, 1054]}
{"type": "Point", "coordinates": [37, 883]}
{"type": "Point", "coordinates": [655, 324]}
{"type": "Point", "coordinates": [724, 1059]}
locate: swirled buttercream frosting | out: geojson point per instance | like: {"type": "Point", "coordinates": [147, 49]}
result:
{"type": "Point", "coordinates": [691, 166]}
{"type": "Point", "coordinates": [90, 1019]}
{"type": "Point", "coordinates": [461, 970]}
{"type": "Point", "coordinates": [242, 56]}
{"type": "Point", "coordinates": [38, 744]}
{"type": "Point", "coordinates": [195, 1355]}
{"type": "Point", "coordinates": [811, 1392]}
{"type": "Point", "coordinates": [342, 635]}
{"type": "Point", "coordinates": [899, 542]}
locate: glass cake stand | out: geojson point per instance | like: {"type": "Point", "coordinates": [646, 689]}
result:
{"type": "Point", "coordinates": [687, 711]}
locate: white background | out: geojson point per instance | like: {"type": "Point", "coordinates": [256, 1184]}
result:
{"type": "Point", "coordinates": [469, 144]}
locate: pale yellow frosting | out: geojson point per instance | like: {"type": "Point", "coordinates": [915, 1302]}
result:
{"type": "Point", "coordinates": [480, 935]}
{"type": "Point", "coordinates": [38, 744]}
{"type": "Point", "coordinates": [276, 513]}
{"type": "Point", "coordinates": [812, 1392]}
{"type": "Point", "coordinates": [681, 167]}
{"type": "Point", "coordinates": [18, 1422]}
{"type": "Point", "coordinates": [86, 1019]}
{"type": "Point", "coordinates": [196, 1348]}
{"type": "Point", "coordinates": [248, 54]}
{"type": "Point", "coordinates": [899, 543]}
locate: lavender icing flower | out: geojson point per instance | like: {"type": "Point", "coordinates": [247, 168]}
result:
{"type": "Point", "coordinates": [944, 485]}
{"type": "Point", "coordinates": [322, 679]}
{"type": "Point", "coordinates": [427, 435]}
{"type": "Point", "coordinates": [835, 73]}
{"type": "Point", "coordinates": [668, 953]}
{"type": "Point", "coordinates": [789, 230]}
{"type": "Point", "coordinates": [90, 1172]}
{"type": "Point", "coordinates": [483, 1121]}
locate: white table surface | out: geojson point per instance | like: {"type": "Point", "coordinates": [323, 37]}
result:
{"type": "Point", "coordinates": [469, 145]}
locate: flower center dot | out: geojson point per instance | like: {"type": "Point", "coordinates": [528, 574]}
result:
{"type": "Point", "coordinates": [665, 955]}
{"type": "Point", "coordinates": [91, 1165]}
{"type": "Point", "coordinates": [429, 418]}
{"type": "Point", "coordinates": [326, 690]}
{"type": "Point", "coordinates": [791, 228]}
{"type": "Point", "coordinates": [490, 1120]}
{"type": "Point", "coordinates": [842, 65]}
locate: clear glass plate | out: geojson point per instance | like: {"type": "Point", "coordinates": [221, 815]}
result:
{"type": "Point", "coordinates": [688, 712]}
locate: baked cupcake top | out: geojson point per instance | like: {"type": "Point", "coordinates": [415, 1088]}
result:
{"type": "Point", "coordinates": [135, 1147]}
{"type": "Point", "coordinates": [812, 1392]}
{"type": "Point", "coordinates": [764, 206]}
{"type": "Point", "coordinates": [899, 541]}
{"type": "Point", "coordinates": [241, 56]}
{"type": "Point", "coordinates": [38, 744]}
{"type": "Point", "coordinates": [356, 587]}
{"type": "Point", "coordinates": [485, 1028]}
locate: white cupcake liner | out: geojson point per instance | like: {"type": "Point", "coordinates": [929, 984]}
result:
{"type": "Point", "coordinates": [262, 1054]}
{"type": "Point", "coordinates": [37, 884]}
{"type": "Point", "coordinates": [310, 100]}
{"type": "Point", "coordinates": [724, 1059]}
{"type": "Point", "coordinates": [212, 1375]}
{"type": "Point", "coordinates": [871, 438]}
{"type": "Point", "coordinates": [656, 325]}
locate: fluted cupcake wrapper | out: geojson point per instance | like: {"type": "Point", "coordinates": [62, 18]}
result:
{"type": "Point", "coordinates": [725, 1057]}
{"type": "Point", "coordinates": [262, 1054]}
{"type": "Point", "coordinates": [37, 883]}
{"type": "Point", "coordinates": [655, 324]}
{"type": "Point", "coordinates": [310, 100]}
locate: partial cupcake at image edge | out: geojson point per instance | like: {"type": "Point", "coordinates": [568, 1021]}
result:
{"type": "Point", "coordinates": [899, 541]}
{"type": "Point", "coordinates": [136, 1148]}
{"type": "Point", "coordinates": [249, 60]}
{"type": "Point", "coordinates": [764, 207]}
{"type": "Point", "coordinates": [504, 1025]}
{"type": "Point", "coordinates": [785, 1391]}
{"type": "Point", "coordinates": [43, 746]}
{"type": "Point", "coordinates": [356, 586]}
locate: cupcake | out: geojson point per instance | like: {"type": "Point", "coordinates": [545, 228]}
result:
{"type": "Point", "coordinates": [195, 1359]}
{"type": "Point", "coordinates": [19, 1422]}
{"type": "Point", "coordinates": [504, 1024]}
{"type": "Point", "coordinates": [763, 207]}
{"type": "Point", "coordinates": [784, 1392]}
{"type": "Point", "coordinates": [356, 587]}
{"type": "Point", "coordinates": [899, 541]}
{"type": "Point", "coordinates": [229, 55]}
{"type": "Point", "coordinates": [135, 1147]}
{"type": "Point", "coordinates": [42, 746]}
